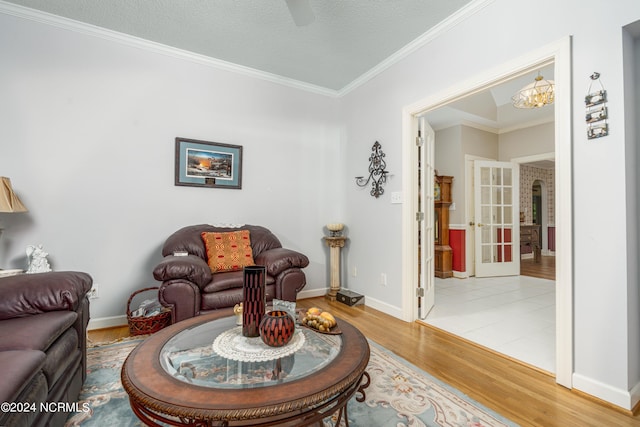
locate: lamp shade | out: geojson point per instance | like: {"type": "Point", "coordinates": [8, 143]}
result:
{"type": "Point", "coordinates": [9, 202]}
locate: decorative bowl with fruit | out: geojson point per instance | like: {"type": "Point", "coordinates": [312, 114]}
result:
{"type": "Point", "coordinates": [321, 321]}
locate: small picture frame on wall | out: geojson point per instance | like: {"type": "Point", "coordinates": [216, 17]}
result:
{"type": "Point", "coordinates": [208, 164]}
{"type": "Point", "coordinates": [597, 130]}
{"type": "Point", "coordinates": [595, 98]}
{"type": "Point", "coordinates": [596, 114]}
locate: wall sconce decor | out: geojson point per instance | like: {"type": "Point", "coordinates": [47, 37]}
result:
{"type": "Point", "coordinates": [377, 172]}
{"type": "Point", "coordinates": [596, 106]}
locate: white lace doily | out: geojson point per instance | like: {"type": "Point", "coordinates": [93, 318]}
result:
{"type": "Point", "coordinates": [233, 345]}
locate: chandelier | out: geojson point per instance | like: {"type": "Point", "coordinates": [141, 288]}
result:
{"type": "Point", "coordinates": [535, 95]}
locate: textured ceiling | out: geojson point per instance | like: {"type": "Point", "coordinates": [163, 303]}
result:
{"type": "Point", "coordinates": [346, 39]}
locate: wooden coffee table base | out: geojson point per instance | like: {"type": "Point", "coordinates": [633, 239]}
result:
{"type": "Point", "coordinates": [312, 418]}
{"type": "Point", "coordinates": [157, 397]}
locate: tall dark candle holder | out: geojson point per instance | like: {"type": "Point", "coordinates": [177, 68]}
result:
{"type": "Point", "coordinates": [254, 300]}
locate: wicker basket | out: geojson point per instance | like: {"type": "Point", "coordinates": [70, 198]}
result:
{"type": "Point", "coordinates": [147, 325]}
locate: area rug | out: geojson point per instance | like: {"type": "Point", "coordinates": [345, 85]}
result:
{"type": "Point", "coordinates": [400, 395]}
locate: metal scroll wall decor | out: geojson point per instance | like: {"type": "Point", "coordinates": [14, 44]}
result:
{"type": "Point", "coordinates": [596, 105]}
{"type": "Point", "coordinates": [377, 172]}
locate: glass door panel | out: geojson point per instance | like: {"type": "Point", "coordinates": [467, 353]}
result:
{"type": "Point", "coordinates": [497, 204]}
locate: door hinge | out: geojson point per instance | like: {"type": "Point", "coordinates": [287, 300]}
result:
{"type": "Point", "coordinates": [419, 141]}
{"type": "Point", "coordinates": [420, 292]}
{"type": "Point", "coordinates": [419, 216]}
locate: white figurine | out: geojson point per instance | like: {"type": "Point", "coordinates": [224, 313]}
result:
{"type": "Point", "coordinates": [37, 260]}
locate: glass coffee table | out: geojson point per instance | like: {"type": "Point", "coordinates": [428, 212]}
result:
{"type": "Point", "coordinates": [192, 373]}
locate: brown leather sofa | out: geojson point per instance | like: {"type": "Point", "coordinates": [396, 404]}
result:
{"type": "Point", "coordinates": [189, 287]}
{"type": "Point", "coordinates": [43, 329]}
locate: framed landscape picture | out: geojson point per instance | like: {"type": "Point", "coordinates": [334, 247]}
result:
{"type": "Point", "coordinates": [208, 164]}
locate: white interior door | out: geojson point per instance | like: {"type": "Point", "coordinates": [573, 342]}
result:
{"type": "Point", "coordinates": [470, 216]}
{"type": "Point", "coordinates": [425, 142]}
{"type": "Point", "coordinates": [497, 218]}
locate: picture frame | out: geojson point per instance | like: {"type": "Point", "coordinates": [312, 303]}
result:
{"type": "Point", "coordinates": [208, 164]}
{"type": "Point", "coordinates": [596, 114]}
{"type": "Point", "coordinates": [597, 130]}
{"type": "Point", "coordinates": [595, 98]}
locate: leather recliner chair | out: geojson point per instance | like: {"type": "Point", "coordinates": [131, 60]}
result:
{"type": "Point", "coordinates": [190, 288]}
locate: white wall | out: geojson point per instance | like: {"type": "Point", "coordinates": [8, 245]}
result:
{"type": "Point", "coordinates": [449, 161]}
{"type": "Point", "coordinates": [477, 143]}
{"type": "Point", "coordinates": [493, 36]}
{"type": "Point", "coordinates": [451, 147]}
{"type": "Point", "coordinates": [527, 142]}
{"type": "Point", "coordinates": [87, 129]}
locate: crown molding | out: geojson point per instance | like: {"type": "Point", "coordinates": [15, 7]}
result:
{"type": "Point", "coordinates": [93, 30]}
{"type": "Point", "coordinates": [125, 39]}
{"type": "Point", "coordinates": [528, 124]}
{"type": "Point", "coordinates": [497, 130]}
{"type": "Point", "coordinates": [462, 14]}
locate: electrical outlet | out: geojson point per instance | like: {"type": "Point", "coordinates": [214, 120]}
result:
{"type": "Point", "coordinates": [355, 271]}
{"type": "Point", "coordinates": [94, 293]}
{"type": "Point", "coordinates": [383, 279]}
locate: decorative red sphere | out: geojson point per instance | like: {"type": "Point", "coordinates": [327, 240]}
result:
{"type": "Point", "coordinates": [276, 328]}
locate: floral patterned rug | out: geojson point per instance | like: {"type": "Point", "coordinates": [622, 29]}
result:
{"type": "Point", "coordinates": [400, 395]}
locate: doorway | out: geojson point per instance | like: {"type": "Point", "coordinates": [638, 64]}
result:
{"type": "Point", "coordinates": [496, 307]}
{"type": "Point", "coordinates": [536, 201]}
{"type": "Point", "coordinates": [559, 54]}
{"type": "Point", "coordinates": [538, 214]}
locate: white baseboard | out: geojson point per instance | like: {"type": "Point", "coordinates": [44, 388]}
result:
{"type": "Point", "coordinates": [113, 321]}
{"type": "Point", "coordinates": [543, 253]}
{"type": "Point", "coordinates": [110, 322]}
{"type": "Point", "coordinates": [368, 301]}
{"type": "Point", "coordinates": [461, 274]}
{"type": "Point", "coordinates": [635, 396]}
{"type": "Point", "coordinates": [107, 322]}
{"type": "Point", "coordinates": [619, 397]}
{"type": "Point", "coordinates": [383, 307]}
{"type": "Point", "coordinates": [311, 293]}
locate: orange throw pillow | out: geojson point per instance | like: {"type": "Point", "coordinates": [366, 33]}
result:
{"type": "Point", "coordinates": [228, 251]}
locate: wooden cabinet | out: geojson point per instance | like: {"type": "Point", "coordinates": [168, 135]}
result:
{"type": "Point", "coordinates": [442, 201]}
{"type": "Point", "coordinates": [530, 240]}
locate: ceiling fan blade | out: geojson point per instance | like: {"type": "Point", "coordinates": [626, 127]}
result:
{"type": "Point", "coordinates": [301, 12]}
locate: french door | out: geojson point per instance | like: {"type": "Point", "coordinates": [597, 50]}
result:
{"type": "Point", "coordinates": [497, 218]}
{"type": "Point", "coordinates": [425, 142]}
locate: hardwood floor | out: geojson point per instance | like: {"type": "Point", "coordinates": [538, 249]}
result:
{"type": "Point", "coordinates": [107, 335]}
{"type": "Point", "coordinates": [520, 393]}
{"type": "Point", "coordinates": [545, 269]}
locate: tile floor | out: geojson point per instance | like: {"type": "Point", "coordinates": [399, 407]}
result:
{"type": "Point", "coordinates": [512, 315]}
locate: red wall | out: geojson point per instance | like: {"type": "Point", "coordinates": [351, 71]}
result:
{"type": "Point", "coordinates": [457, 242]}
{"type": "Point", "coordinates": [507, 248]}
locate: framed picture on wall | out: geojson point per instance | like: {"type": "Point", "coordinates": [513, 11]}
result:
{"type": "Point", "coordinates": [208, 164]}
